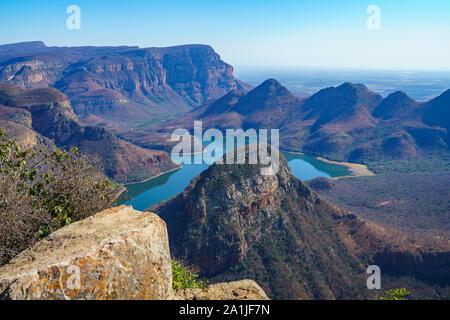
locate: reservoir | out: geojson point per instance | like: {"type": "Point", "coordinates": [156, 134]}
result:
{"type": "Point", "coordinates": [143, 195]}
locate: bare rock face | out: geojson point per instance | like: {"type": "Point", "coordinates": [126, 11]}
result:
{"type": "Point", "coordinates": [235, 290]}
{"type": "Point", "coordinates": [109, 86]}
{"type": "Point", "coordinates": [118, 253]}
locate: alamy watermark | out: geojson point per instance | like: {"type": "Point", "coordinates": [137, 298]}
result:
{"type": "Point", "coordinates": [374, 20]}
{"type": "Point", "coordinates": [73, 22]}
{"type": "Point", "coordinates": [74, 280]}
{"type": "Point", "coordinates": [252, 146]}
{"type": "Point", "coordinates": [374, 281]}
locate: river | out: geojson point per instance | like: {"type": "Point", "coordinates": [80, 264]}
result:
{"type": "Point", "coordinates": [143, 195]}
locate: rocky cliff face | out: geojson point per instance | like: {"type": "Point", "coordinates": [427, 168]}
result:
{"type": "Point", "coordinates": [44, 117]}
{"type": "Point", "coordinates": [233, 223]}
{"type": "Point", "coordinates": [116, 254]}
{"type": "Point", "coordinates": [214, 242]}
{"type": "Point", "coordinates": [112, 86]}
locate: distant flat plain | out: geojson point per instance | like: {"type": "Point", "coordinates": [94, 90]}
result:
{"type": "Point", "coordinates": [419, 85]}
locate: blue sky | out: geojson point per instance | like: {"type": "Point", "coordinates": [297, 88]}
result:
{"type": "Point", "coordinates": [414, 34]}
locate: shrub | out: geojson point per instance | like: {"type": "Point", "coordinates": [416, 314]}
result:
{"type": "Point", "coordinates": [184, 279]}
{"type": "Point", "coordinates": [395, 294]}
{"type": "Point", "coordinates": [42, 191]}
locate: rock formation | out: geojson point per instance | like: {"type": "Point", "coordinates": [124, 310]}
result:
{"type": "Point", "coordinates": [118, 87]}
{"type": "Point", "coordinates": [233, 223]}
{"type": "Point", "coordinates": [43, 118]}
{"type": "Point", "coordinates": [235, 290]}
{"type": "Point", "coordinates": [348, 122]}
{"type": "Point", "coordinates": [118, 253]}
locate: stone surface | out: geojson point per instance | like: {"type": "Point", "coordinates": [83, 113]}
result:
{"type": "Point", "coordinates": [118, 253]}
{"type": "Point", "coordinates": [236, 290]}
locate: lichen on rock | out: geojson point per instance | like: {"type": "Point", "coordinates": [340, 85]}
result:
{"type": "Point", "coordinates": [118, 253]}
{"type": "Point", "coordinates": [235, 290]}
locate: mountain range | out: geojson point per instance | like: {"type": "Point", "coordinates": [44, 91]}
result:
{"type": "Point", "coordinates": [132, 91]}
{"type": "Point", "coordinates": [121, 88]}
{"type": "Point", "coordinates": [87, 95]}
{"type": "Point", "coordinates": [348, 122]}
{"type": "Point", "coordinates": [43, 119]}
{"type": "Point", "coordinates": [119, 105]}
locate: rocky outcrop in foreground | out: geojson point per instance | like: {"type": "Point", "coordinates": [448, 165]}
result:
{"type": "Point", "coordinates": [235, 290]}
{"type": "Point", "coordinates": [118, 253]}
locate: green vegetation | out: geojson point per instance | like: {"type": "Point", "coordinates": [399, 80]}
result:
{"type": "Point", "coordinates": [434, 163]}
{"type": "Point", "coordinates": [184, 279]}
{"type": "Point", "coordinates": [142, 125]}
{"type": "Point", "coordinates": [41, 192]}
{"type": "Point", "coordinates": [414, 203]}
{"type": "Point", "coordinates": [395, 294]}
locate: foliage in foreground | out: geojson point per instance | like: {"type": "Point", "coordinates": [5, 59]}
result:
{"type": "Point", "coordinates": [44, 191]}
{"type": "Point", "coordinates": [184, 279]}
{"type": "Point", "coordinates": [395, 294]}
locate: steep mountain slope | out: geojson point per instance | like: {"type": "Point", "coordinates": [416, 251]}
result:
{"type": "Point", "coordinates": [113, 86]}
{"type": "Point", "coordinates": [17, 124]}
{"type": "Point", "coordinates": [333, 119]}
{"type": "Point", "coordinates": [348, 122]}
{"type": "Point", "coordinates": [352, 123]}
{"type": "Point", "coordinates": [437, 111]}
{"type": "Point", "coordinates": [267, 106]}
{"type": "Point", "coordinates": [396, 105]}
{"type": "Point", "coordinates": [233, 222]}
{"type": "Point", "coordinates": [44, 117]}
{"type": "Point", "coordinates": [349, 103]}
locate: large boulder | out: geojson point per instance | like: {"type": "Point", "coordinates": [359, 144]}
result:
{"type": "Point", "coordinates": [235, 290]}
{"type": "Point", "coordinates": [118, 253]}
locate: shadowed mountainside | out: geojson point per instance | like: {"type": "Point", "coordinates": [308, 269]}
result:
{"type": "Point", "coordinates": [43, 118]}
{"type": "Point", "coordinates": [266, 106]}
{"type": "Point", "coordinates": [232, 222]}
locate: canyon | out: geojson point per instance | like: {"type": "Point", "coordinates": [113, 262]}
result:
{"type": "Point", "coordinates": [120, 105]}
{"type": "Point", "coordinates": [121, 88]}
{"type": "Point", "coordinates": [345, 123]}
{"type": "Point", "coordinates": [44, 119]}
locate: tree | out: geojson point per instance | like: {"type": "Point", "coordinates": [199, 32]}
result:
{"type": "Point", "coordinates": [41, 191]}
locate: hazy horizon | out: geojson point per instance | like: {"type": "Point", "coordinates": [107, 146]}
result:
{"type": "Point", "coordinates": [297, 34]}
{"type": "Point", "coordinates": [259, 67]}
